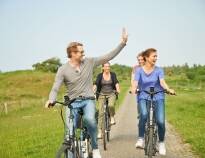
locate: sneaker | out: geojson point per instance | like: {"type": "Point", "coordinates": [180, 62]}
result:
{"type": "Point", "coordinates": [96, 153]}
{"type": "Point", "coordinates": [140, 143]}
{"type": "Point", "coordinates": [112, 121]}
{"type": "Point", "coordinates": [99, 134]}
{"type": "Point", "coordinates": [162, 148]}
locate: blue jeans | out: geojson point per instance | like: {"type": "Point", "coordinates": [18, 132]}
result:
{"type": "Point", "coordinates": [88, 107]}
{"type": "Point", "coordinates": [159, 106]}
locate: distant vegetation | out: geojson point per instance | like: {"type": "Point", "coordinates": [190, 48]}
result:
{"type": "Point", "coordinates": [49, 65]}
{"type": "Point", "coordinates": [194, 73]}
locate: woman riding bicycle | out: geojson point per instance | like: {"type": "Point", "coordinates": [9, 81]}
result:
{"type": "Point", "coordinates": [148, 76]}
{"type": "Point", "coordinates": [107, 84]}
{"type": "Point", "coordinates": [141, 62]}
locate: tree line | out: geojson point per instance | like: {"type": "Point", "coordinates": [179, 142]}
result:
{"type": "Point", "coordinates": [195, 72]}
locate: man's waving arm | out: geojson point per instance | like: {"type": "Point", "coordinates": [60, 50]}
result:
{"type": "Point", "coordinates": [109, 56]}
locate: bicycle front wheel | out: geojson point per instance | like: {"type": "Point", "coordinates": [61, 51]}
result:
{"type": "Point", "coordinates": [104, 132]}
{"type": "Point", "coordinates": [150, 143]}
{"type": "Point", "coordinates": [107, 130]}
{"type": "Point", "coordinates": [88, 148]}
{"type": "Point", "coordinates": [64, 152]}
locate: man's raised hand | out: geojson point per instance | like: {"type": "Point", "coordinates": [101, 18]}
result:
{"type": "Point", "coordinates": [124, 36]}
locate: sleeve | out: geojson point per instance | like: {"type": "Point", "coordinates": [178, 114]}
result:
{"type": "Point", "coordinates": [97, 80]}
{"type": "Point", "coordinates": [161, 73]}
{"type": "Point", "coordinates": [116, 80]}
{"type": "Point", "coordinates": [56, 86]}
{"type": "Point", "coordinates": [137, 75]}
{"type": "Point", "coordinates": [109, 56]}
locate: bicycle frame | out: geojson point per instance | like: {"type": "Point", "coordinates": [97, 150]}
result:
{"type": "Point", "coordinates": [76, 142]}
{"type": "Point", "coordinates": [151, 126]}
{"type": "Point", "coordinates": [106, 121]}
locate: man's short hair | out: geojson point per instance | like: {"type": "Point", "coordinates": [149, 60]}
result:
{"type": "Point", "coordinates": [72, 47]}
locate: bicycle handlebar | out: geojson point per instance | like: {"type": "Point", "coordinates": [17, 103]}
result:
{"type": "Point", "coordinates": [116, 93]}
{"type": "Point", "coordinates": [153, 93]}
{"type": "Point", "coordinates": [68, 102]}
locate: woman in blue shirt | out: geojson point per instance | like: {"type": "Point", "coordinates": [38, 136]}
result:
{"type": "Point", "coordinates": [148, 76]}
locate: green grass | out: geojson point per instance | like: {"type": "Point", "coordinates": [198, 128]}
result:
{"type": "Point", "coordinates": [30, 132]}
{"type": "Point", "coordinates": [124, 86]}
{"type": "Point", "coordinates": [186, 112]}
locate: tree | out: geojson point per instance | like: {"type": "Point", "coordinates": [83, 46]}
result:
{"type": "Point", "coordinates": [49, 65]}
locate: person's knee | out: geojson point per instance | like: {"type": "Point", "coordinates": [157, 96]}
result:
{"type": "Point", "coordinates": [143, 116]}
{"type": "Point", "coordinates": [90, 120]}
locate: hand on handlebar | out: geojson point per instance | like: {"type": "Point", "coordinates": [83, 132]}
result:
{"type": "Point", "coordinates": [133, 91]}
{"type": "Point", "coordinates": [171, 91]}
{"type": "Point", "coordinates": [49, 104]}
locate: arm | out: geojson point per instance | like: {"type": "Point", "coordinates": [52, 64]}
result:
{"type": "Point", "coordinates": [56, 86]}
{"type": "Point", "coordinates": [117, 86]}
{"type": "Point", "coordinates": [163, 83]}
{"type": "Point", "coordinates": [132, 76]}
{"type": "Point", "coordinates": [135, 81]}
{"type": "Point", "coordinates": [94, 88]}
{"type": "Point", "coordinates": [107, 57]}
{"type": "Point", "coordinates": [134, 86]}
{"type": "Point", "coordinates": [166, 87]}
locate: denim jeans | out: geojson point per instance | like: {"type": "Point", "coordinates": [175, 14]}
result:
{"type": "Point", "coordinates": [159, 106]}
{"type": "Point", "coordinates": [89, 110]}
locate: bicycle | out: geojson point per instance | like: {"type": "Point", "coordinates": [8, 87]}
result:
{"type": "Point", "coordinates": [106, 125]}
{"type": "Point", "coordinates": [151, 129]}
{"type": "Point", "coordinates": [77, 143]}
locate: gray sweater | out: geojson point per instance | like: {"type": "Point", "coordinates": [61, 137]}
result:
{"type": "Point", "coordinates": [80, 83]}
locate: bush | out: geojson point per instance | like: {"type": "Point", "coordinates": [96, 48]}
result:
{"type": "Point", "coordinates": [49, 65]}
{"type": "Point", "coordinates": [191, 75]}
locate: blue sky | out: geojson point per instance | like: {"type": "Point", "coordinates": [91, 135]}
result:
{"type": "Point", "coordinates": [35, 30]}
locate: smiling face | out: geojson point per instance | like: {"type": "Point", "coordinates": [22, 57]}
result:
{"type": "Point", "coordinates": [140, 60]}
{"type": "Point", "coordinates": [106, 67]}
{"type": "Point", "coordinates": [152, 58]}
{"type": "Point", "coordinates": [75, 51]}
{"type": "Point", "coordinates": [78, 53]}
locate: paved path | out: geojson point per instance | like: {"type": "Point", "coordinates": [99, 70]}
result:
{"type": "Point", "coordinates": [124, 134]}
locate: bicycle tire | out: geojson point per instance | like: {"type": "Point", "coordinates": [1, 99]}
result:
{"type": "Point", "coordinates": [155, 140]}
{"type": "Point", "coordinates": [146, 139]}
{"type": "Point", "coordinates": [107, 128]}
{"type": "Point", "coordinates": [89, 148]}
{"type": "Point", "coordinates": [104, 133]}
{"type": "Point", "coordinates": [150, 146]}
{"type": "Point", "coordinates": [63, 151]}
{"type": "Point", "coordinates": [76, 150]}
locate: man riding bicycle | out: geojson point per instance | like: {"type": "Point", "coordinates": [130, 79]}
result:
{"type": "Point", "coordinates": [77, 74]}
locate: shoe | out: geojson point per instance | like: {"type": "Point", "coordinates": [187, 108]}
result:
{"type": "Point", "coordinates": [99, 134]}
{"type": "Point", "coordinates": [162, 148]}
{"type": "Point", "coordinates": [112, 121]}
{"type": "Point", "coordinates": [96, 153]}
{"type": "Point", "coordinates": [140, 143]}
